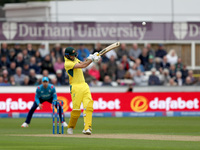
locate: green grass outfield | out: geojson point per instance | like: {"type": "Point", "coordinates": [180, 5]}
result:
{"type": "Point", "coordinates": [157, 125]}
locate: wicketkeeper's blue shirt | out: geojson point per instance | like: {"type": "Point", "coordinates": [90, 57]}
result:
{"type": "Point", "coordinates": [45, 94]}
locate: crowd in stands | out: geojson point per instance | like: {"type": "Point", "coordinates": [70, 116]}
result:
{"type": "Point", "coordinates": [135, 66]}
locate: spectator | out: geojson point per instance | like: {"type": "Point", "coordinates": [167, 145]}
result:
{"type": "Point", "coordinates": [57, 50]}
{"type": "Point", "coordinates": [19, 60]}
{"type": "Point", "coordinates": [65, 76]}
{"type": "Point", "coordinates": [107, 81]}
{"type": "Point", "coordinates": [32, 77]}
{"type": "Point", "coordinates": [153, 79]}
{"type": "Point", "coordinates": [4, 49]}
{"type": "Point", "coordinates": [26, 81]}
{"type": "Point", "coordinates": [139, 78]}
{"type": "Point", "coordinates": [53, 57]}
{"type": "Point", "coordinates": [144, 57]}
{"type": "Point", "coordinates": [26, 56]}
{"type": "Point", "coordinates": [45, 73]}
{"type": "Point", "coordinates": [88, 77]}
{"type": "Point", "coordinates": [150, 50]}
{"type": "Point", "coordinates": [60, 78]}
{"type": "Point", "coordinates": [172, 71]}
{"type": "Point", "coordinates": [157, 64]}
{"type": "Point", "coordinates": [139, 65]}
{"type": "Point", "coordinates": [59, 65]}
{"type": "Point", "coordinates": [39, 82]}
{"type": "Point", "coordinates": [25, 69]}
{"type": "Point", "coordinates": [133, 70]}
{"type": "Point", "coordinates": [83, 52]}
{"type": "Point", "coordinates": [19, 77]}
{"type": "Point", "coordinates": [192, 78]}
{"type": "Point", "coordinates": [188, 81]}
{"type": "Point", "coordinates": [165, 77]}
{"type": "Point", "coordinates": [111, 53]}
{"type": "Point", "coordinates": [97, 48]}
{"type": "Point", "coordinates": [2, 83]}
{"type": "Point", "coordinates": [122, 51]}
{"type": "Point", "coordinates": [4, 62]}
{"type": "Point", "coordinates": [172, 82]}
{"type": "Point", "coordinates": [150, 64]}
{"type": "Point", "coordinates": [11, 70]}
{"type": "Point", "coordinates": [179, 79]}
{"type": "Point", "coordinates": [17, 48]}
{"type": "Point", "coordinates": [179, 65]}
{"type": "Point", "coordinates": [38, 59]}
{"type": "Point", "coordinates": [103, 71]}
{"type": "Point", "coordinates": [94, 72]}
{"type": "Point", "coordinates": [47, 64]}
{"type": "Point", "coordinates": [11, 55]}
{"type": "Point", "coordinates": [12, 81]}
{"type": "Point", "coordinates": [95, 82]}
{"type": "Point", "coordinates": [184, 72]}
{"type": "Point", "coordinates": [135, 52]}
{"type": "Point", "coordinates": [43, 50]}
{"type": "Point", "coordinates": [31, 51]}
{"type": "Point", "coordinates": [112, 67]}
{"type": "Point", "coordinates": [128, 75]}
{"type": "Point", "coordinates": [172, 57]}
{"type": "Point", "coordinates": [160, 52]}
{"type": "Point", "coordinates": [54, 81]}
{"type": "Point", "coordinates": [128, 80]}
{"type": "Point", "coordinates": [164, 64]}
{"type": "Point", "coordinates": [125, 63]}
{"type": "Point", "coordinates": [33, 65]}
{"type": "Point", "coordinates": [5, 76]}
{"type": "Point", "coordinates": [104, 59]}
{"type": "Point", "coordinates": [198, 82]}
{"type": "Point", "coordinates": [120, 72]}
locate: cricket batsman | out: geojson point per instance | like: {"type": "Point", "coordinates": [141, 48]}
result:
{"type": "Point", "coordinates": [79, 89]}
{"type": "Point", "coordinates": [44, 92]}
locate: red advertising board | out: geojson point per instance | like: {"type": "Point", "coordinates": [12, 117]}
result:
{"type": "Point", "coordinates": [110, 102]}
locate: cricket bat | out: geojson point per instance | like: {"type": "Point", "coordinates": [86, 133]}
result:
{"type": "Point", "coordinates": [110, 47]}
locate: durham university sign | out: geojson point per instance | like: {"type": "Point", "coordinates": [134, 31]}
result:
{"type": "Point", "coordinates": [93, 31]}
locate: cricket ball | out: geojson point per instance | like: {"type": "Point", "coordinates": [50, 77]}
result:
{"type": "Point", "coordinates": [143, 23]}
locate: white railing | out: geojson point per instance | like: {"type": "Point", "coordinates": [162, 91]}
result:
{"type": "Point", "coordinates": [119, 89]}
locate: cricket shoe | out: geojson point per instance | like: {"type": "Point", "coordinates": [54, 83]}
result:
{"type": "Point", "coordinates": [24, 125]}
{"type": "Point", "coordinates": [87, 132]}
{"type": "Point", "coordinates": [83, 131]}
{"type": "Point", "coordinates": [65, 124]}
{"type": "Point", "coordinates": [70, 131]}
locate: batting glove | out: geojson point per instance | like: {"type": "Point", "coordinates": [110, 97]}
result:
{"type": "Point", "coordinates": [96, 58]}
{"type": "Point", "coordinates": [91, 57]}
{"type": "Point", "coordinates": [96, 54]}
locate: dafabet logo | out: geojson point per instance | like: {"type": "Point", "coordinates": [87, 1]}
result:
{"type": "Point", "coordinates": [65, 103]}
{"type": "Point", "coordinates": [139, 104]}
{"type": "Point", "coordinates": [9, 30]}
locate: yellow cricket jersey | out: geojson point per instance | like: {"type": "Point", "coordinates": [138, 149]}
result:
{"type": "Point", "coordinates": [75, 75]}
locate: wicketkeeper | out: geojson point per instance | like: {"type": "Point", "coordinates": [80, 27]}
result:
{"type": "Point", "coordinates": [44, 92]}
{"type": "Point", "coordinates": [79, 89]}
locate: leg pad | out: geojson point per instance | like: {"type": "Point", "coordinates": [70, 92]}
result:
{"type": "Point", "coordinates": [88, 115]}
{"type": "Point", "coordinates": [75, 114]}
